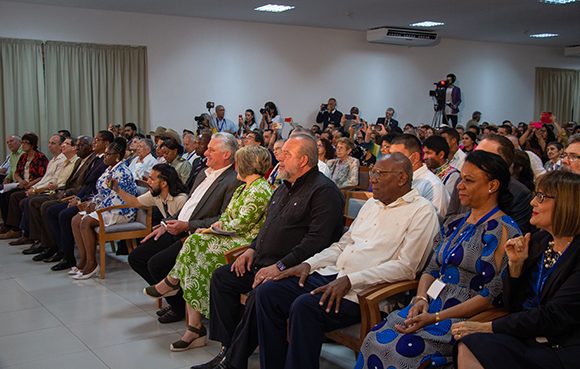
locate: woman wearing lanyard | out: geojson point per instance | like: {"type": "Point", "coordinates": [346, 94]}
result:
{"type": "Point", "coordinates": [541, 290]}
{"type": "Point", "coordinates": [462, 278]}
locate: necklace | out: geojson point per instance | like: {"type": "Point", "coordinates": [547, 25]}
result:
{"type": "Point", "coordinates": [550, 255]}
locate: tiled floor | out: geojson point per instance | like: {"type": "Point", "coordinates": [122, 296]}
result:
{"type": "Point", "coordinates": [48, 320]}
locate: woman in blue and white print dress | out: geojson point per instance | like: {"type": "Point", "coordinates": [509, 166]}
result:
{"type": "Point", "coordinates": [83, 223]}
{"type": "Point", "coordinates": [461, 280]}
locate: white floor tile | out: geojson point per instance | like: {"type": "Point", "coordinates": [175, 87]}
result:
{"type": "Point", "coordinates": [26, 320]}
{"type": "Point", "coordinates": [14, 297]}
{"type": "Point", "coordinates": [84, 360]}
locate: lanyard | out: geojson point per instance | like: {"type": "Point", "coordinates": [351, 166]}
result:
{"type": "Point", "coordinates": [221, 127]}
{"type": "Point", "coordinates": [468, 232]}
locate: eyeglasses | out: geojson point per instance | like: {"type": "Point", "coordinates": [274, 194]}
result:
{"type": "Point", "coordinates": [375, 173]}
{"type": "Point", "coordinates": [564, 155]}
{"type": "Point", "coordinates": [540, 196]}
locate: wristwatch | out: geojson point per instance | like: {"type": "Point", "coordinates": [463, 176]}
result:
{"type": "Point", "coordinates": [281, 266]}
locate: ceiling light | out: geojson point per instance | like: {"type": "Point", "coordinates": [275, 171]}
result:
{"type": "Point", "coordinates": [558, 2]}
{"type": "Point", "coordinates": [274, 8]}
{"type": "Point", "coordinates": [427, 24]}
{"type": "Point", "coordinates": [544, 35]}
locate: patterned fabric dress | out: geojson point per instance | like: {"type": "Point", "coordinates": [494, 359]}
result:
{"type": "Point", "coordinates": [203, 253]}
{"type": "Point", "coordinates": [344, 173]}
{"type": "Point", "coordinates": [470, 271]}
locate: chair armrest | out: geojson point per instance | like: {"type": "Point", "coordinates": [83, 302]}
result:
{"type": "Point", "coordinates": [67, 198]}
{"type": "Point", "coordinates": [370, 298]}
{"type": "Point", "coordinates": [489, 315]}
{"type": "Point", "coordinates": [108, 208]}
{"type": "Point", "coordinates": [232, 255]}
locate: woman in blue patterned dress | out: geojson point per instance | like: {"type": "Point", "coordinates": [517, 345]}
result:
{"type": "Point", "coordinates": [84, 222]}
{"type": "Point", "coordinates": [461, 280]}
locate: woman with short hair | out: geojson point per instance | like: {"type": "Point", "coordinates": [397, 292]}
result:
{"type": "Point", "coordinates": [541, 289]}
{"type": "Point", "coordinates": [344, 169]}
{"type": "Point", "coordinates": [203, 251]}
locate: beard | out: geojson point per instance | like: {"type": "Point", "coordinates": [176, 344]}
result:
{"type": "Point", "coordinates": [155, 192]}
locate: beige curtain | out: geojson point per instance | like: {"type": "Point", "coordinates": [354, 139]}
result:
{"type": "Point", "coordinates": [88, 86]}
{"type": "Point", "coordinates": [558, 91]}
{"type": "Point", "coordinates": [22, 99]}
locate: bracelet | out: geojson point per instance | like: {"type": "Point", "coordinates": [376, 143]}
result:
{"type": "Point", "coordinates": [415, 298]}
{"type": "Point", "coordinates": [437, 317]}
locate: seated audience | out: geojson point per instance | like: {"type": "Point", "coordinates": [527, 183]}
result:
{"type": "Point", "coordinates": [520, 209]}
{"type": "Point", "coordinates": [129, 131]}
{"type": "Point", "coordinates": [536, 138]}
{"type": "Point", "coordinates": [253, 139]}
{"type": "Point", "coordinates": [462, 278]}
{"type": "Point", "coordinates": [456, 156]}
{"type": "Point", "coordinates": [30, 169]}
{"type": "Point", "coordinates": [58, 171]}
{"type": "Point", "coordinates": [389, 241]}
{"type": "Point", "coordinates": [554, 151]}
{"type": "Point", "coordinates": [572, 154]}
{"type": "Point", "coordinates": [9, 165]}
{"type": "Point", "coordinates": [141, 165]}
{"type": "Point", "coordinates": [172, 156]}
{"type": "Point", "coordinates": [436, 154]}
{"type": "Point", "coordinates": [189, 145]}
{"type": "Point", "coordinates": [84, 222]}
{"type": "Point", "coordinates": [210, 194]}
{"type": "Point", "coordinates": [200, 163]}
{"type": "Point", "coordinates": [541, 289]}
{"type": "Point", "coordinates": [325, 150]}
{"type": "Point", "coordinates": [469, 142]}
{"type": "Point", "coordinates": [344, 169]}
{"type": "Point", "coordinates": [474, 121]}
{"type": "Point", "coordinates": [203, 251]}
{"type": "Point", "coordinates": [303, 218]}
{"type": "Point", "coordinates": [522, 170]}
{"type": "Point", "coordinates": [424, 181]}
{"type": "Point", "coordinates": [536, 164]}
{"type": "Point", "coordinates": [274, 178]}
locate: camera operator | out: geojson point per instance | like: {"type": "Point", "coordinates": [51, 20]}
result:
{"type": "Point", "coordinates": [222, 124]}
{"type": "Point", "coordinates": [247, 122]}
{"type": "Point", "coordinates": [452, 101]}
{"type": "Point", "coordinates": [269, 115]}
{"type": "Point", "coordinates": [329, 114]}
{"type": "Point", "coordinates": [203, 122]}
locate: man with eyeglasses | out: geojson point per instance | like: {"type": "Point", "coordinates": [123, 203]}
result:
{"type": "Point", "coordinates": [572, 153]}
{"type": "Point", "coordinates": [389, 241]}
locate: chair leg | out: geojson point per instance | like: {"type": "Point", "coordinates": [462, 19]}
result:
{"type": "Point", "coordinates": [131, 245]}
{"type": "Point", "coordinates": [102, 247]}
{"type": "Point", "coordinates": [159, 303]}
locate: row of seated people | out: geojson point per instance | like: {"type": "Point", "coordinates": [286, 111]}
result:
{"type": "Point", "coordinates": [291, 239]}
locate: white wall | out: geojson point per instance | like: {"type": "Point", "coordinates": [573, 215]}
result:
{"type": "Point", "coordinates": [242, 65]}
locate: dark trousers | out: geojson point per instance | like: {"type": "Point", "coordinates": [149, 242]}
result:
{"type": "Point", "coordinates": [24, 223]}
{"type": "Point", "coordinates": [14, 209]}
{"type": "Point", "coordinates": [59, 218]}
{"type": "Point", "coordinates": [240, 336]}
{"type": "Point", "coordinates": [34, 215]}
{"type": "Point", "coordinates": [153, 260]}
{"type": "Point", "coordinates": [447, 119]}
{"type": "Point", "coordinates": [4, 203]}
{"type": "Point", "coordinates": [283, 304]}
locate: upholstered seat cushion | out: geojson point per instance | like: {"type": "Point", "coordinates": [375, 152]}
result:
{"type": "Point", "coordinates": [133, 226]}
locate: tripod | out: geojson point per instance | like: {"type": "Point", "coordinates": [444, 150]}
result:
{"type": "Point", "coordinates": [437, 119]}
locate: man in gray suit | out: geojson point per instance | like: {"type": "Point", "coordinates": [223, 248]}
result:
{"type": "Point", "coordinates": [210, 194]}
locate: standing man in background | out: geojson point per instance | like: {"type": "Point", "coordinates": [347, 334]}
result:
{"type": "Point", "coordinates": [452, 101]}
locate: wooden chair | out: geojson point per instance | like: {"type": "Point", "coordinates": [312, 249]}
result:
{"type": "Point", "coordinates": [139, 228]}
{"type": "Point", "coordinates": [353, 201]}
{"type": "Point", "coordinates": [363, 179]}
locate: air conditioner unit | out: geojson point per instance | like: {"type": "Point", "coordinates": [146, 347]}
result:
{"type": "Point", "coordinates": [572, 51]}
{"type": "Point", "coordinates": [401, 36]}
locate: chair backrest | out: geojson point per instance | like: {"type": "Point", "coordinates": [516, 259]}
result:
{"type": "Point", "coordinates": [363, 179]}
{"type": "Point", "coordinates": [354, 201]}
{"type": "Point", "coordinates": [141, 216]}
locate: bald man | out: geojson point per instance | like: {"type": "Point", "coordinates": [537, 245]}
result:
{"type": "Point", "coordinates": [389, 241]}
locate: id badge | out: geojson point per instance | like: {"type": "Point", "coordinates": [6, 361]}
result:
{"type": "Point", "coordinates": [435, 289]}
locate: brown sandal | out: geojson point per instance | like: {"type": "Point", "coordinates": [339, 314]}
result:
{"type": "Point", "coordinates": [200, 341]}
{"type": "Point", "coordinates": [152, 292]}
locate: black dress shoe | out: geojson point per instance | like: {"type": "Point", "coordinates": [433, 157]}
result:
{"type": "Point", "coordinates": [63, 265]}
{"type": "Point", "coordinates": [170, 317]}
{"type": "Point", "coordinates": [163, 311]}
{"type": "Point", "coordinates": [218, 362]}
{"type": "Point", "coordinates": [36, 248]}
{"type": "Point", "coordinates": [21, 241]}
{"type": "Point", "coordinates": [53, 259]}
{"type": "Point", "coordinates": [45, 254]}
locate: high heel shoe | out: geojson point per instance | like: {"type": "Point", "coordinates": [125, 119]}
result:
{"type": "Point", "coordinates": [81, 276]}
{"type": "Point", "coordinates": [152, 292]}
{"type": "Point", "coordinates": [200, 341]}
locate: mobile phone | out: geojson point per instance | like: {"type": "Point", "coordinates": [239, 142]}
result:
{"type": "Point", "coordinates": [163, 223]}
{"type": "Point", "coordinates": [546, 117]}
{"type": "Point", "coordinates": [380, 120]}
{"type": "Point", "coordinates": [288, 120]}
{"type": "Point", "coordinates": [536, 125]}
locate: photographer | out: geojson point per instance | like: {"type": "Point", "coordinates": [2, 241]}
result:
{"type": "Point", "coordinates": [389, 120]}
{"type": "Point", "coordinates": [222, 124]}
{"type": "Point", "coordinates": [328, 114]}
{"type": "Point", "coordinates": [247, 122]}
{"type": "Point", "coordinates": [452, 101]}
{"type": "Point", "coordinates": [269, 115]}
{"type": "Point", "coordinates": [203, 122]}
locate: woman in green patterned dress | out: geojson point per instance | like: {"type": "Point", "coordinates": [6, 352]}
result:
{"type": "Point", "coordinates": [203, 251]}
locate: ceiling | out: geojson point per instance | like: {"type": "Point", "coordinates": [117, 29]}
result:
{"type": "Point", "coordinates": [507, 21]}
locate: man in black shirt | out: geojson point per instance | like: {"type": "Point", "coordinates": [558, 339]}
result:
{"type": "Point", "coordinates": [329, 114]}
{"type": "Point", "coordinates": [304, 217]}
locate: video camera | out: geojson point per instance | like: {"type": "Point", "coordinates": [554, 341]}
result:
{"type": "Point", "coordinates": [439, 94]}
{"type": "Point", "coordinates": [209, 105]}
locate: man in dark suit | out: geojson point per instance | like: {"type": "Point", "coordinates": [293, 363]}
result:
{"type": "Point", "coordinates": [390, 122]}
{"type": "Point", "coordinates": [328, 114]}
{"type": "Point", "coordinates": [211, 192]}
{"type": "Point", "coordinates": [57, 218]}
